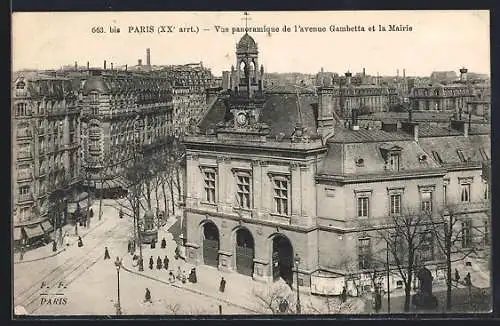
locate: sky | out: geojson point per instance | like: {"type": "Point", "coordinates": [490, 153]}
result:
{"type": "Point", "coordinates": [438, 40]}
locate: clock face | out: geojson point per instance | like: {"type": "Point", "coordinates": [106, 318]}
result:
{"type": "Point", "coordinates": [241, 119]}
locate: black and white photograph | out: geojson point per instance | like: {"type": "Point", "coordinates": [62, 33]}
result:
{"type": "Point", "coordinates": [251, 163]}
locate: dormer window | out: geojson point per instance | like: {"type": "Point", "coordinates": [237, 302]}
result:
{"type": "Point", "coordinates": [461, 155]}
{"type": "Point", "coordinates": [392, 156]}
{"type": "Point", "coordinates": [20, 85]}
{"type": "Point", "coordinates": [393, 161]}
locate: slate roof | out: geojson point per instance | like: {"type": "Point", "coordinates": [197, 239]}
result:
{"type": "Point", "coordinates": [416, 116]}
{"type": "Point", "coordinates": [280, 113]}
{"type": "Point", "coordinates": [343, 159]}
{"type": "Point", "coordinates": [95, 83]}
{"type": "Point", "coordinates": [346, 135]}
{"type": "Point", "coordinates": [431, 131]}
{"type": "Point", "coordinates": [447, 148]}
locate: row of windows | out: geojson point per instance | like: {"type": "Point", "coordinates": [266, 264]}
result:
{"type": "Point", "coordinates": [363, 204]}
{"type": "Point", "coordinates": [244, 191]}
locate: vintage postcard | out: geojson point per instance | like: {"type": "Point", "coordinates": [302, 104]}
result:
{"type": "Point", "coordinates": [251, 163]}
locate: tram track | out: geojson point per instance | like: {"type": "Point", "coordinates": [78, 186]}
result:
{"type": "Point", "coordinates": [61, 274]}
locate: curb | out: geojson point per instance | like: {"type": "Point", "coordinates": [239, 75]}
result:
{"type": "Point", "coordinates": [59, 251]}
{"type": "Point", "coordinates": [191, 290]}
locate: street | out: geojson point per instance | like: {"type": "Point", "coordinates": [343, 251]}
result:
{"type": "Point", "coordinates": [78, 281]}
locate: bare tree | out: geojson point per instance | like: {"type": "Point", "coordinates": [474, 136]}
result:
{"type": "Point", "coordinates": [333, 305]}
{"type": "Point", "coordinates": [404, 239]}
{"type": "Point", "coordinates": [271, 299]}
{"type": "Point", "coordinates": [450, 237]}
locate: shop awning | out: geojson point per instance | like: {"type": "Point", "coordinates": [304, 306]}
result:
{"type": "Point", "coordinates": [33, 231]}
{"type": "Point", "coordinates": [47, 227]}
{"type": "Point", "coordinates": [17, 234]}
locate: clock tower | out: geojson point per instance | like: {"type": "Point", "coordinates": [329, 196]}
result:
{"type": "Point", "coordinates": [246, 99]}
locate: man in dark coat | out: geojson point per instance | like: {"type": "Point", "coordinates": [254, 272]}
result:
{"type": "Point", "coordinates": [222, 285]}
{"type": "Point", "coordinates": [54, 246]}
{"type": "Point", "coordinates": [151, 262]}
{"type": "Point", "coordinates": [80, 242]}
{"type": "Point", "coordinates": [457, 276]}
{"type": "Point", "coordinates": [91, 213]}
{"type": "Point", "coordinates": [106, 253]}
{"type": "Point", "coordinates": [153, 244]}
{"type": "Point", "coordinates": [147, 296]}
{"type": "Point", "coordinates": [163, 243]}
{"type": "Point", "coordinates": [343, 296]}
{"type": "Point", "coordinates": [165, 262]}
{"type": "Point", "coordinates": [158, 263]}
{"type": "Point", "coordinates": [192, 276]}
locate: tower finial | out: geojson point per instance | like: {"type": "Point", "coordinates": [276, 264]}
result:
{"type": "Point", "coordinates": [246, 20]}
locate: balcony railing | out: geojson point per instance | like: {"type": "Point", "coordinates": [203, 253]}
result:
{"type": "Point", "coordinates": [24, 155]}
{"type": "Point", "coordinates": [24, 133]}
{"type": "Point", "coordinates": [24, 175]}
{"type": "Point", "coordinates": [25, 197]}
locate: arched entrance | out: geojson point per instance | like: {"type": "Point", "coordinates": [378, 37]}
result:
{"type": "Point", "coordinates": [244, 252]}
{"type": "Point", "coordinates": [210, 244]}
{"type": "Point", "coordinates": [282, 259]}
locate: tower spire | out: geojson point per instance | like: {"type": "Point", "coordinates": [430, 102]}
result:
{"type": "Point", "coordinates": [246, 20]}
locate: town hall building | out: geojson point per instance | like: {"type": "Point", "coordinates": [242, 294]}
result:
{"type": "Point", "coordinates": [281, 185]}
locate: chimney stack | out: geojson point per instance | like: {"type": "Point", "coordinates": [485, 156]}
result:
{"type": "Point", "coordinates": [463, 74]}
{"type": "Point", "coordinates": [148, 57]}
{"type": "Point", "coordinates": [460, 125]}
{"type": "Point", "coordinates": [404, 73]}
{"type": "Point", "coordinates": [126, 67]}
{"type": "Point", "coordinates": [410, 126]}
{"type": "Point", "coordinates": [348, 76]}
{"type": "Point", "coordinates": [104, 64]}
{"type": "Point", "coordinates": [76, 65]}
{"type": "Point", "coordinates": [354, 119]}
{"type": "Point", "coordinates": [111, 65]}
{"type": "Point", "coordinates": [364, 72]}
{"type": "Point", "coordinates": [88, 65]}
{"type": "Point", "coordinates": [139, 62]}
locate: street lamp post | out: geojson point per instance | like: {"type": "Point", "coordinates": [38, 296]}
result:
{"type": "Point", "coordinates": [118, 264]}
{"type": "Point", "coordinates": [297, 262]}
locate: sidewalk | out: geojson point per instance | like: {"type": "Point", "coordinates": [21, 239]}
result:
{"type": "Point", "coordinates": [45, 251]}
{"type": "Point", "coordinates": [240, 290]}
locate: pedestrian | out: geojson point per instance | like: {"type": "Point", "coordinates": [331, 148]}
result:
{"type": "Point", "coordinates": [343, 296]}
{"type": "Point", "coordinates": [153, 244]}
{"type": "Point", "coordinates": [151, 262]}
{"type": "Point", "coordinates": [467, 280]}
{"type": "Point", "coordinates": [192, 276]}
{"type": "Point", "coordinates": [457, 276]}
{"type": "Point", "coordinates": [129, 247]}
{"type": "Point", "coordinates": [378, 301]}
{"type": "Point", "coordinates": [80, 242]}
{"type": "Point", "coordinates": [171, 277]}
{"type": "Point", "coordinates": [165, 262]}
{"type": "Point", "coordinates": [54, 246]}
{"type": "Point", "coordinates": [158, 263]}
{"type": "Point", "coordinates": [120, 214]}
{"type": "Point", "coordinates": [147, 296]}
{"type": "Point", "coordinates": [106, 253]}
{"type": "Point", "coordinates": [163, 243]}
{"type": "Point", "coordinates": [177, 250]}
{"type": "Point", "coordinates": [222, 285]}
{"type": "Point", "coordinates": [91, 213]}
{"type": "Point", "coordinates": [179, 273]}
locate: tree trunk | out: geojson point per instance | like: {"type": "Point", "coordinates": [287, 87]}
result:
{"type": "Point", "coordinates": [172, 197]}
{"type": "Point", "coordinates": [448, 279]}
{"type": "Point", "coordinates": [148, 194]}
{"type": "Point", "coordinates": [407, 297]}
{"type": "Point", "coordinates": [408, 289]}
{"type": "Point", "coordinates": [178, 181]}
{"type": "Point", "coordinates": [165, 201]}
